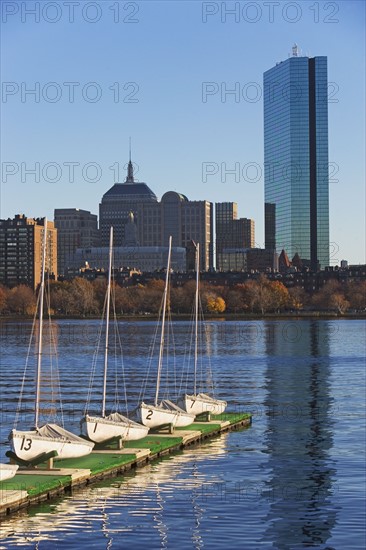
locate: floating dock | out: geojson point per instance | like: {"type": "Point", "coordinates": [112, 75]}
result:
{"type": "Point", "coordinates": [32, 486]}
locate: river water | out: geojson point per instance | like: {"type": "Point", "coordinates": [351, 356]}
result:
{"type": "Point", "coordinates": [295, 479]}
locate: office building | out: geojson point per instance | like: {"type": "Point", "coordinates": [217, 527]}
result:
{"type": "Point", "coordinates": [21, 242]}
{"type": "Point", "coordinates": [188, 221]}
{"type": "Point", "coordinates": [296, 159]}
{"type": "Point", "coordinates": [231, 233]}
{"type": "Point", "coordinates": [75, 229]}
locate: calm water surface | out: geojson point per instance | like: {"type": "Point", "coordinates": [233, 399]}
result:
{"type": "Point", "coordinates": [295, 479]}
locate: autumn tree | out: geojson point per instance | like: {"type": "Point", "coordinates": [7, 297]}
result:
{"type": "Point", "coordinates": [279, 295]}
{"type": "Point", "coordinates": [332, 296]}
{"type": "Point", "coordinates": [261, 296]}
{"type": "Point", "coordinates": [249, 291]}
{"type": "Point", "coordinates": [324, 297]}
{"type": "Point", "coordinates": [156, 285]}
{"type": "Point", "coordinates": [339, 302]}
{"type": "Point", "coordinates": [215, 304]}
{"type": "Point", "coordinates": [180, 301]}
{"type": "Point", "coordinates": [150, 300]}
{"type": "Point", "coordinates": [83, 296]}
{"type": "Point", "coordinates": [3, 298]}
{"type": "Point", "coordinates": [355, 293]}
{"type": "Point", "coordinates": [189, 290]}
{"type": "Point", "coordinates": [234, 301]}
{"type": "Point", "coordinates": [222, 291]}
{"type": "Point", "coordinates": [297, 297]}
{"type": "Point", "coordinates": [21, 300]}
{"type": "Point", "coordinates": [239, 298]}
{"type": "Point", "coordinates": [129, 299]}
{"type": "Point", "coordinates": [100, 288]}
{"type": "Point", "coordinates": [121, 300]}
{"type": "Point", "coordinates": [61, 299]}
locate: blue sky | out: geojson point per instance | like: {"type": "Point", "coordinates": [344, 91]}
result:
{"type": "Point", "coordinates": [139, 70]}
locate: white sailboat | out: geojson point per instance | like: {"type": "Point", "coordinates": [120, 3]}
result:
{"type": "Point", "coordinates": [199, 403]}
{"type": "Point", "coordinates": [7, 471]}
{"type": "Point", "coordinates": [104, 427]}
{"type": "Point", "coordinates": [165, 412]}
{"type": "Point", "coordinates": [30, 445]}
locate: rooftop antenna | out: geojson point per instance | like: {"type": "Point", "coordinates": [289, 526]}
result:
{"type": "Point", "coordinates": [129, 178]}
{"type": "Point", "coordinates": [295, 50]}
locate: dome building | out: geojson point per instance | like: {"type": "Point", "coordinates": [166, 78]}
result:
{"type": "Point", "coordinates": [118, 202]}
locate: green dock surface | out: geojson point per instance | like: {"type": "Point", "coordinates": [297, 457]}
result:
{"type": "Point", "coordinates": [32, 486]}
{"type": "Point", "coordinates": [96, 462]}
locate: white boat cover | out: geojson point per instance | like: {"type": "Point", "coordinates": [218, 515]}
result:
{"type": "Point", "coordinates": [169, 405]}
{"type": "Point", "coordinates": [201, 403]}
{"type": "Point", "coordinates": [207, 397]}
{"type": "Point", "coordinates": [52, 431]}
{"type": "Point", "coordinates": [117, 418]}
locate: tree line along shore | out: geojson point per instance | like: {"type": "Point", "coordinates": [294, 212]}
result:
{"type": "Point", "coordinates": [81, 298]}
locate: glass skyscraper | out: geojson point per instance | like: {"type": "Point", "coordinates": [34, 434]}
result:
{"type": "Point", "coordinates": [296, 159]}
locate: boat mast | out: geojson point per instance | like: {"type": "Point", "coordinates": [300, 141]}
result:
{"type": "Point", "coordinates": [107, 320]}
{"type": "Point", "coordinates": [40, 328]}
{"type": "Point", "coordinates": [161, 349]}
{"type": "Point", "coordinates": [196, 317]}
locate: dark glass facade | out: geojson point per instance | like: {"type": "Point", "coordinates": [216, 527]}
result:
{"type": "Point", "coordinates": [296, 159]}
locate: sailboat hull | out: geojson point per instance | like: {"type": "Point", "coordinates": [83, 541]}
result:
{"type": "Point", "coordinates": [101, 429]}
{"type": "Point", "coordinates": [154, 415]}
{"type": "Point", "coordinates": [7, 471]}
{"type": "Point", "coordinates": [135, 433]}
{"type": "Point", "coordinates": [184, 419]}
{"type": "Point", "coordinates": [202, 403]}
{"type": "Point", "coordinates": [168, 413]}
{"type": "Point", "coordinates": [29, 445]}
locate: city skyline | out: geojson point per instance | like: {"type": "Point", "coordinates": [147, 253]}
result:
{"type": "Point", "coordinates": [197, 123]}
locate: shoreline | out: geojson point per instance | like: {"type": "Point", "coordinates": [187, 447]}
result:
{"type": "Point", "coordinates": [324, 315]}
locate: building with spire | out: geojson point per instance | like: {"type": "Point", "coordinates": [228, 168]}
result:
{"type": "Point", "coordinates": [118, 202]}
{"type": "Point", "coordinates": [134, 211]}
